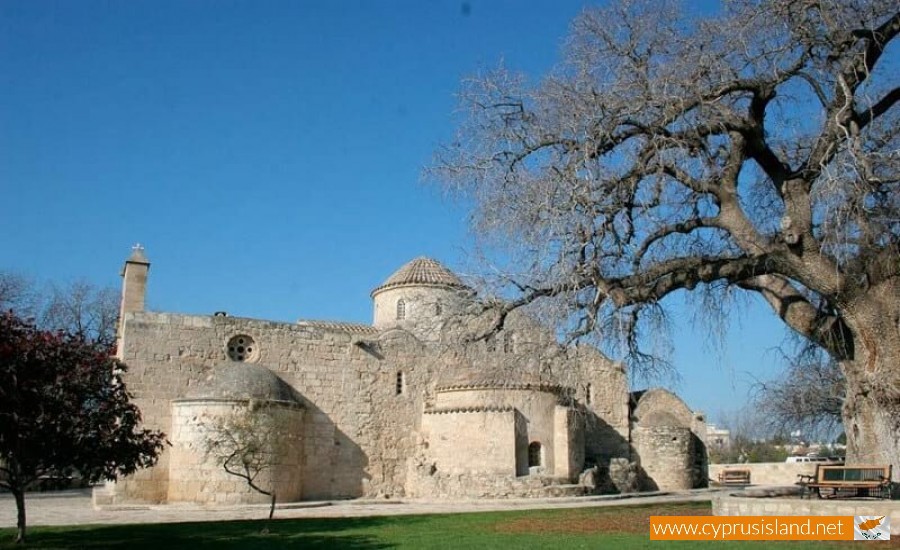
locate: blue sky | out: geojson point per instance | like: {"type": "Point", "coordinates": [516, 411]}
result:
{"type": "Point", "coordinates": [268, 154]}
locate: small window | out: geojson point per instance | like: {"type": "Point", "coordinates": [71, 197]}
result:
{"type": "Point", "coordinates": [509, 344]}
{"type": "Point", "coordinates": [588, 394]}
{"type": "Point", "coordinates": [401, 384]}
{"type": "Point", "coordinates": [401, 309]}
{"type": "Point", "coordinates": [534, 454]}
{"type": "Point", "coordinates": [438, 308]}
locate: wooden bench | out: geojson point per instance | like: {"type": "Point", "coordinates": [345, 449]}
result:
{"type": "Point", "coordinates": [734, 476]}
{"type": "Point", "coordinates": [847, 481]}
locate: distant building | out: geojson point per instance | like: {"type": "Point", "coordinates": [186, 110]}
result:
{"type": "Point", "coordinates": [717, 438]}
{"type": "Point", "coordinates": [406, 406]}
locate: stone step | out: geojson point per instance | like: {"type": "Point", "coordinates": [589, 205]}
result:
{"type": "Point", "coordinates": [567, 490]}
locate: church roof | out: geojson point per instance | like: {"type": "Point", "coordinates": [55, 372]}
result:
{"type": "Point", "coordinates": [421, 271]}
{"type": "Point", "coordinates": [498, 379]}
{"type": "Point", "coordinates": [342, 326]}
{"type": "Point", "coordinates": [233, 380]}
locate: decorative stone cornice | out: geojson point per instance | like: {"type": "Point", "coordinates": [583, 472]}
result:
{"type": "Point", "coordinates": [502, 385]}
{"type": "Point", "coordinates": [463, 410]}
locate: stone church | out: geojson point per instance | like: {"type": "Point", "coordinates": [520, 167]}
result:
{"type": "Point", "coordinates": [412, 405]}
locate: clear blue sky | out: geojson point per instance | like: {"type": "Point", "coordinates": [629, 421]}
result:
{"type": "Point", "coordinates": [268, 154]}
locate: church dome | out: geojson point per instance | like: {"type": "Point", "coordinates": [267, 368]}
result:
{"type": "Point", "coordinates": [238, 381]}
{"type": "Point", "coordinates": [421, 272]}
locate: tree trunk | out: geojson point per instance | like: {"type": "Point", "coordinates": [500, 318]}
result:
{"type": "Point", "coordinates": [872, 423]}
{"type": "Point", "coordinates": [20, 520]}
{"type": "Point", "coordinates": [872, 405]}
{"type": "Point", "coordinates": [272, 506]}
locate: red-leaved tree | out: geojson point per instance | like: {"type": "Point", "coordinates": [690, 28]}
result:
{"type": "Point", "coordinates": [64, 409]}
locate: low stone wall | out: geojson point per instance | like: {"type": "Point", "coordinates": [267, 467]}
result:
{"type": "Point", "coordinates": [474, 486]}
{"type": "Point", "coordinates": [768, 473]}
{"type": "Point", "coordinates": [730, 505]}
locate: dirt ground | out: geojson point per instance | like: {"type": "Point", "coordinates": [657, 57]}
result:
{"type": "Point", "coordinates": [596, 520]}
{"type": "Point", "coordinates": [628, 520]}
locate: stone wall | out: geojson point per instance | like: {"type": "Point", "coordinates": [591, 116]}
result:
{"type": "Point", "coordinates": [536, 407]}
{"type": "Point", "coordinates": [425, 308]}
{"type": "Point", "coordinates": [479, 440]}
{"type": "Point", "coordinates": [358, 429]}
{"type": "Point", "coordinates": [768, 473]}
{"type": "Point", "coordinates": [568, 443]}
{"type": "Point", "coordinates": [666, 456]}
{"type": "Point", "coordinates": [656, 413]}
{"type": "Point", "coordinates": [742, 506]}
{"type": "Point", "coordinates": [198, 476]}
{"type": "Point", "coordinates": [656, 403]}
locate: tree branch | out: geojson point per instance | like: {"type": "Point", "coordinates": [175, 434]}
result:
{"type": "Point", "coordinates": [881, 106]}
{"type": "Point", "coordinates": [839, 114]}
{"type": "Point", "coordinates": [828, 331]}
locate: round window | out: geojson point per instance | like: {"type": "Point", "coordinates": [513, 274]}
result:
{"type": "Point", "coordinates": [242, 348]}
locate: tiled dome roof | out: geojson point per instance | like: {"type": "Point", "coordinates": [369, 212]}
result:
{"type": "Point", "coordinates": [421, 271]}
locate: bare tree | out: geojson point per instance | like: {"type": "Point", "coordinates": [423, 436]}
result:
{"type": "Point", "coordinates": [808, 396]}
{"type": "Point", "coordinates": [249, 443]}
{"type": "Point", "coordinates": [17, 293]}
{"type": "Point", "coordinates": [84, 310]}
{"type": "Point", "coordinates": [755, 150]}
{"type": "Point", "coordinates": [80, 308]}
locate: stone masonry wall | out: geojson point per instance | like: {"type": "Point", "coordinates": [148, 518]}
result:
{"type": "Point", "coordinates": [464, 441]}
{"type": "Point", "coordinates": [665, 455]}
{"type": "Point", "coordinates": [363, 390]}
{"type": "Point", "coordinates": [568, 443]}
{"type": "Point", "coordinates": [358, 430]}
{"type": "Point", "coordinates": [536, 407]}
{"type": "Point", "coordinates": [198, 477]}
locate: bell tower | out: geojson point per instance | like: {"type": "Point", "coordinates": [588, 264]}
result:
{"type": "Point", "coordinates": [134, 286]}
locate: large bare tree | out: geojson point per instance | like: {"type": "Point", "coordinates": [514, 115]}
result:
{"type": "Point", "coordinates": [807, 396]}
{"type": "Point", "coordinates": [754, 150]}
{"type": "Point", "coordinates": [79, 308]}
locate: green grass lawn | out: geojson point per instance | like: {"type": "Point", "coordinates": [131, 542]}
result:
{"type": "Point", "coordinates": [621, 528]}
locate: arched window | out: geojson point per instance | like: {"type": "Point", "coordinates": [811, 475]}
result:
{"type": "Point", "coordinates": [534, 454]}
{"type": "Point", "coordinates": [401, 383]}
{"type": "Point", "coordinates": [401, 309]}
{"type": "Point", "coordinates": [588, 394]}
{"type": "Point", "coordinates": [438, 308]}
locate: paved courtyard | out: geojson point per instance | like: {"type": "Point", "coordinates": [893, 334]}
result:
{"type": "Point", "coordinates": [75, 508]}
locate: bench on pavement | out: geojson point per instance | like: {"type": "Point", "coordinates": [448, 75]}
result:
{"type": "Point", "coordinates": [847, 482]}
{"type": "Point", "coordinates": [734, 476]}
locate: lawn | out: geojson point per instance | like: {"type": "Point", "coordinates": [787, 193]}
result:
{"type": "Point", "coordinates": [621, 528]}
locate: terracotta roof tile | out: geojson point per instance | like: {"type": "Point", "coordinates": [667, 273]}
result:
{"type": "Point", "coordinates": [352, 328]}
{"type": "Point", "coordinates": [421, 271]}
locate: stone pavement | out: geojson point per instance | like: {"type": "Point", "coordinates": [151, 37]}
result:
{"type": "Point", "coordinates": [75, 508]}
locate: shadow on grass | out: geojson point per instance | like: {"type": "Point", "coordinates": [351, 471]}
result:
{"type": "Point", "coordinates": [350, 533]}
{"type": "Point", "coordinates": [617, 528]}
